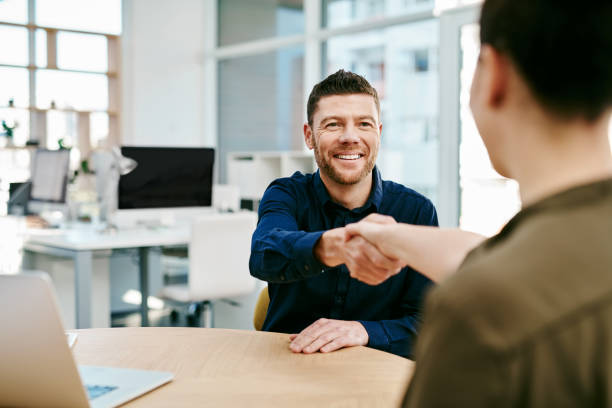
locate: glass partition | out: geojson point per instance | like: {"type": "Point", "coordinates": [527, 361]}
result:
{"type": "Point", "coordinates": [241, 21]}
{"type": "Point", "coordinates": [338, 13]}
{"type": "Point", "coordinates": [401, 62]}
{"type": "Point", "coordinates": [261, 103]}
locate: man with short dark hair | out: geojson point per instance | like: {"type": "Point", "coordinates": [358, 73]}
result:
{"type": "Point", "coordinates": [300, 246]}
{"type": "Point", "coordinates": [527, 318]}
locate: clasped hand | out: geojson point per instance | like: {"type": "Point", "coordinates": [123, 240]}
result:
{"type": "Point", "coordinates": [363, 259]}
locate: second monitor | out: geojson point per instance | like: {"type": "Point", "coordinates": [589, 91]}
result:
{"type": "Point", "coordinates": [170, 185]}
{"type": "Point", "coordinates": [49, 181]}
{"type": "Point", "coordinates": [167, 177]}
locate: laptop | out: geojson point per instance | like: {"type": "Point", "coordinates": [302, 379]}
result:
{"type": "Point", "coordinates": [37, 367]}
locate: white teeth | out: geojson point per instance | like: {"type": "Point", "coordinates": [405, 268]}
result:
{"type": "Point", "coordinates": [348, 156]}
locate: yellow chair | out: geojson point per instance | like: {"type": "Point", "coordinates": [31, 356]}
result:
{"type": "Point", "coordinates": [261, 309]}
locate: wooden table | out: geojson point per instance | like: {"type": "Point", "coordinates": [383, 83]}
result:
{"type": "Point", "coordinates": [226, 368]}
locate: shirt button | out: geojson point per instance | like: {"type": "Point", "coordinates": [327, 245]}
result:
{"type": "Point", "coordinates": [282, 277]}
{"type": "Point", "coordinates": [306, 267]}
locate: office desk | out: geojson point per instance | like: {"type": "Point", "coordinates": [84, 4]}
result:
{"type": "Point", "coordinates": [227, 368]}
{"type": "Point", "coordinates": [79, 243]}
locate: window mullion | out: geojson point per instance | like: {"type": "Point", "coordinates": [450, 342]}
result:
{"type": "Point", "coordinates": [312, 46]}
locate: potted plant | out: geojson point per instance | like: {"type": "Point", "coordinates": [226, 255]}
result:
{"type": "Point", "coordinates": [8, 132]}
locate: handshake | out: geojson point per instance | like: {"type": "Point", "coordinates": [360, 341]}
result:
{"type": "Point", "coordinates": [377, 248]}
{"type": "Point", "coordinates": [363, 248]}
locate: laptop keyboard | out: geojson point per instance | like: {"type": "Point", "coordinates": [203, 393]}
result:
{"type": "Point", "coordinates": [95, 391]}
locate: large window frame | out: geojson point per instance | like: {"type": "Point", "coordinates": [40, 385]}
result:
{"type": "Point", "coordinates": [313, 38]}
{"type": "Point", "coordinates": [38, 116]}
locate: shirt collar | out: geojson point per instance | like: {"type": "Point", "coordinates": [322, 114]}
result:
{"type": "Point", "coordinates": [375, 198]}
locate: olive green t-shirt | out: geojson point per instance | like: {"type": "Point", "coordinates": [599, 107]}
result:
{"type": "Point", "coordinates": [527, 319]}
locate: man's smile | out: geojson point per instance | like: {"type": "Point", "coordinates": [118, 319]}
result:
{"type": "Point", "coordinates": [348, 156]}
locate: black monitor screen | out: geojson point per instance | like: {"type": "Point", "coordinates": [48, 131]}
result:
{"type": "Point", "coordinates": [167, 177]}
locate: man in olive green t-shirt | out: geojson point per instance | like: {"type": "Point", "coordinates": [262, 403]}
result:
{"type": "Point", "coordinates": [526, 319]}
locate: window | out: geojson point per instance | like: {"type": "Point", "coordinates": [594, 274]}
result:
{"type": "Point", "coordinates": [73, 71]}
{"type": "Point", "coordinates": [395, 44]}
{"type": "Point", "coordinates": [339, 13]}
{"type": "Point", "coordinates": [400, 62]}
{"type": "Point", "coordinates": [261, 104]}
{"type": "Point", "coordinates": [100, 16]}
{"type": "Point", "coordinates": [487, 200]}
{"type": "Point", "coordinates": [241, 21]}
{"type": "Point", "coordinates": [14, 11]}
{"type": "Point", "coordinates": [15, 49]}
{"type": "Point", "coordinates": [60, 78]}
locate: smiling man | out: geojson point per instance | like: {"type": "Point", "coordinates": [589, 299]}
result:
{"type": "Point", "coordinates": [301, 247]}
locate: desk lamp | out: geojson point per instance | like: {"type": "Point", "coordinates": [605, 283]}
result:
{"type": "Point", "coordinates": [109, 166]}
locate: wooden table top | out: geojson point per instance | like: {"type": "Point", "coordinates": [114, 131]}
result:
{"type": "Point", "coordinates": [221, 368]}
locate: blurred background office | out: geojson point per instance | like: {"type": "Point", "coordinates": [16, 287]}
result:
{"type": "Point", "coordinates": [234, 75]}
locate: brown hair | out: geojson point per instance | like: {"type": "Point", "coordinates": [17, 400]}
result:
{"type": "Point", "coordinates": [340, 83]}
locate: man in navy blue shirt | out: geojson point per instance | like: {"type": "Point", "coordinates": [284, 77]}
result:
{"type": "Point", "coordinates": [301, 247]}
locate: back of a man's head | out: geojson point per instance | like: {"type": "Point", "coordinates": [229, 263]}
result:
{"type": "Point", "coordinates": [561, 48]}
{"type": "Point", "coordinates": [339, 83]}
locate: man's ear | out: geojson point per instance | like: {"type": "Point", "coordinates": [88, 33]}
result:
{"type": "Point", "coordinates": [308, 135]}
{"type": "Point", "coordinates": [496, 75]}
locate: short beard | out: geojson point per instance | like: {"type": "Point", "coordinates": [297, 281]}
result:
{"type": "Point", "coordinates": [326, 167]}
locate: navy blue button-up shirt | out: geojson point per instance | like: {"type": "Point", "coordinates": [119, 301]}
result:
{"type": "Point", "coordinates": [293, 214]}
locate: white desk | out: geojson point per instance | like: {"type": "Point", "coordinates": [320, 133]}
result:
{"type": "Point", "coordinates": [79, 244]}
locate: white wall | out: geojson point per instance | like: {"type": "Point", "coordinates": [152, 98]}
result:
{"type": "Point", "coordinates": [162, 85]}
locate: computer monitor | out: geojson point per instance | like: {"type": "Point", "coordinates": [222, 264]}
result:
{"type": "Point", "coordinates": [177, 178]}
{"type": "Point", "coordinates": [19, 194]}
{"type": "Point", "coordinates": [49, 181]}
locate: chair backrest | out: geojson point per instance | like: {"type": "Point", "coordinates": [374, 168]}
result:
{"type": "Point", "coordinates": [219, 255]}
{"type": "Point", "coordinates": [261, 309]}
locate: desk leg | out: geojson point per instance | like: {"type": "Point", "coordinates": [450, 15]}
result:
{"type": "Point", "coordinates": [143, 254]}
{"type": "Point", "coordinates": [83, 265]}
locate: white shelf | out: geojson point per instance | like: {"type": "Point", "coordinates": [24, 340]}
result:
{"type": "Point", "coordinates": [254, 171]}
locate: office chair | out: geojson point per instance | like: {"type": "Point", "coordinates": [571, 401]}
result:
{"type": "Point", "coordinates": [219, 253]}
{"type": "Point", "coordinates": [261, 308]}
{"type": "Point", "coordinates": [175, 262]}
